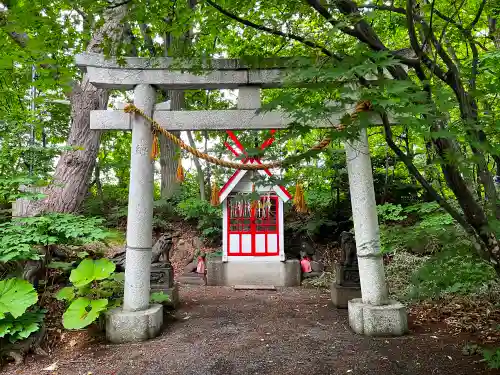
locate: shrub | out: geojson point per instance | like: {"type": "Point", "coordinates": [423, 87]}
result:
{"type": "Point", "coordinates": [207, 217]}
{"type": "Point", "coordinates": [112, 205]}
{"type": "Point", "coordinates": [21, 239]}
{"type": "Point", "coordinates": [96, 288]}
{"type": "Point", "coordinates": [492, 357]}
{"type": "Point", "coordinates": [163, 212]}
{"type": "Point", "coordinates": [452, 271]}
{"type": "Point", "coordinates": [309, 225]}
{"type": "Point", "coordinates": [399, 272]}
{"type": "Point", "coordinates": [390, 212]}
{"type": "Point", "coordinates": [422, 228]}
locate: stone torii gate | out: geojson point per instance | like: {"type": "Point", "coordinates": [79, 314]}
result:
{"type": "Point", "coordinates": [373, 314]}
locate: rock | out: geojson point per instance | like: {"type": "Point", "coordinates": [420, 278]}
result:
{"type": "Point", "coordinates": [192, 278]}
{"type": "Point", "coordinates": [182, 249]}
{"type": "Point", "coordinates": [197, 243]}
{"type": "Point", "coordinates": [317, 266]}
{"type": "Point", "coordinates": [191, 267]}
{"type": "Point", "coordinates": [310, 275]}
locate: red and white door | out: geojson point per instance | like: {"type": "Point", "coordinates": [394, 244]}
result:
{"type": "Point", "coordinates": [253, 230]}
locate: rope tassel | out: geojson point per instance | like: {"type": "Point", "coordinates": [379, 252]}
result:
{"type": "Point", "coordinates": [214, 199]}
{"type": "Point", "coordinates": [155, 150]}
{"type": "Point", "coordinates": [254, 202]}
{"type": "Point", "coordinates": [299, 200]}
{"type": "Point", "coordinates": [180, 171]}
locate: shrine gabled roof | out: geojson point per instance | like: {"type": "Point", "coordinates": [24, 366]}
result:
{"type": "Point", "coordinates": [233, 181]}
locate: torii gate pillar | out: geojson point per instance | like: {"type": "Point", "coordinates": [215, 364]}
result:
{"type": "Point", "coordinates": [373, 314]}
{"type": "Point", "coordinates": [138, 320]}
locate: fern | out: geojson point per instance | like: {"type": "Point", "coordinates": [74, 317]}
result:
{"type": "Point", "coordinates": [21, 239]}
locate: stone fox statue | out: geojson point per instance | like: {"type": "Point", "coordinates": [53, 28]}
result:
{"type": "Point", "coordinates": [348, 247]}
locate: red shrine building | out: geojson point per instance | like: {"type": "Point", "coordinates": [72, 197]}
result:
{"type": "Point", "coordinates": [252, 230]}
{"type": "Point", "coordinates": [253, 246]}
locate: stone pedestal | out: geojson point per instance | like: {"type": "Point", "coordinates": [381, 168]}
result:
{"type": "Point", "coordinates": [346, 285]}
{"type": "Point", "coordinates": [162, 280]}
{"type": "Point", "coordinates": [172, 292]}
{"type": "Point", "coordinates": [132, 326]}
{"type": "Point", "coordinates": [384, 320]}
{"type": "Point", "coordinates": [347, 275]}
{"type": "Point", "coordinates": [162, 274]}
{"type": "Point", "coordinates": [341, 295]}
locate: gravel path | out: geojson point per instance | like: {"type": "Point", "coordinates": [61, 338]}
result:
{"type": "Point", "coordinates": [291, 331]}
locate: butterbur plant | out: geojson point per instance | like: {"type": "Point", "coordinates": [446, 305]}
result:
{"type": "Point", "coordinates": [96, 288]}
{"type": "Point", "coordinates": [19, 318]}
{"type": "Point", "coordinates": [159, 297]}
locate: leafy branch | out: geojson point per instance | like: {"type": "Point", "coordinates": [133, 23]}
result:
{"type": "Point", "coordinates": [272, 31]}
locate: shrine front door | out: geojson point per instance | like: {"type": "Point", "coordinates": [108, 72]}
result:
{"type": "Point", "coordinates": [253, 231]}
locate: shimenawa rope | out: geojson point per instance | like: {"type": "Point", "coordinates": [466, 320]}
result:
{"type": "Point", "coordinates": [156, 128]}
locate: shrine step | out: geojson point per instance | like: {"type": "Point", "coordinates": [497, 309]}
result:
{"type": "Point", "coordinates": [254, 287]}
{"type": "Point", "coordinates": [191, 279]}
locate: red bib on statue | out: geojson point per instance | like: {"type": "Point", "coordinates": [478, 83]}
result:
{"type": "Point", "coordinates": [305, 264]}
{"type": "Point", "coordinates": [200, 268]}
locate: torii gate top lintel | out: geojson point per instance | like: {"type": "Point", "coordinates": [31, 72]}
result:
{"type": "Point", "coordinates": [97, 60]}
{"type": "Point", "coordinates": [181, 75]}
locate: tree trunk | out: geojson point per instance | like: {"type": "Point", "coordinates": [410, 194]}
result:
{"type": "Point", "coordinates": [199, 170]}
{"type": "Point", "coordinates": [497, 162]}
{"type": "Point", "coordinates": [169, 151]}
{"type": "Point", "coordinates": [74, 168]}
{"type": "Point", "coordinates": [208, 167]}
{"type": "Point", "coordinates": [494, 31]}
{"type": "Point", "coordinates": [98, 183]}
{"type": "Point", "coordinates": [386, 179]}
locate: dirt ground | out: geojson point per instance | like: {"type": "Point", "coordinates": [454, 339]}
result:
{"type": "Point", "coordinates": [219, 331]}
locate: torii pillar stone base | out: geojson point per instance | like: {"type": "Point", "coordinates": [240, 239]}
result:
{"type": "Point", "coordinates": [137, 320]}
{"type": "Point", "coordinates": [133, 326]}
{"type": "Point", "coordinates": [373, 314]}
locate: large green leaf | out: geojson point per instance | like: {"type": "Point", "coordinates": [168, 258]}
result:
{"type": "Point", "coordinates": [89, 270]}
{"type": "Point", "coordinates": [83, 312]}
{"type": "Point", "coordinates": [159, 297]}
{"type": "Point", "coordinates": [65, 294]}
{"type": "Point", "coordinates": [16, 295]}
